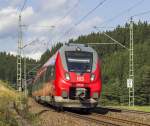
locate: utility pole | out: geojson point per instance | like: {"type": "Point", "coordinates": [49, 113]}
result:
{"type": "Point", "coordinates": [131, 67]}
{"type": "Point", "coordinates": [130, 80]}
{"type": "Point", "coordinates": [25, 77]}
{"type": "Point", "coordinates": [19, 56]}
{"type": "Point", "coordinates": [25, 66]}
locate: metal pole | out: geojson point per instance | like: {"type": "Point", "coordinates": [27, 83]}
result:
{"type": "Point", "coordinates": [131, 66]}
{"type": "Point", "coordinates": [101, 43]}
{"type": "Point", "coordinates": [115, 41]}
{"type": "Point", "coordinates": [131, 62]}
{"type": "Point", "coordinates": [25, 76]}
{"type": "Point", "coordinates": [19, 53]}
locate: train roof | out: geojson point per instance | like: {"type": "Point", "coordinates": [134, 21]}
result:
{"type": "Point", "coordinates": [65, 47]}
{"type": "Point", "coordinates": [68, 47]}
{"type": "Point", "coordinates": [76, 47]}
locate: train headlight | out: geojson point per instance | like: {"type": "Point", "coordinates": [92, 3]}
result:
{"type": "Point", "coordinates": [67, 76]}
{"type": "Point", "coordinates": [92, 77]}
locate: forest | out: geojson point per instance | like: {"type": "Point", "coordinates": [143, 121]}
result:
{"type": "Point", "coordinates": [115, 63]}
{"type": "Point", "coordinates": [8, 67]}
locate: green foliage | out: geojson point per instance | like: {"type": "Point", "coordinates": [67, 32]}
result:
{"type": "Point", "coordinates": [8, 67]}
{"type": "Point", "coordinates": [115, 72]}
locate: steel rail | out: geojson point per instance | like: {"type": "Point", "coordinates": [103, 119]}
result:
{"type": "Point", "coordinates": [87, 118]}
{"type": "Point", "coordinates": [102, 119]}
{"type": "Point", "coordinates": [124, 121]}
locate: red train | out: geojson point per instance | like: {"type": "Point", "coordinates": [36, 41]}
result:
{"type": "Point", "coordinates": [70, 78]}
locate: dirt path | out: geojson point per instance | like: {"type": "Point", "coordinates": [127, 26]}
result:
{"type": "Point", "coordinates": [49, 117]}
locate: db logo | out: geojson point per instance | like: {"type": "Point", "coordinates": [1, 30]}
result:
{"type": "Point", "coordinates": [80, 78]}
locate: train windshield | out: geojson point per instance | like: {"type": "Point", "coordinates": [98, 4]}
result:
{"type": "Point", "coordinates": [80, 62]}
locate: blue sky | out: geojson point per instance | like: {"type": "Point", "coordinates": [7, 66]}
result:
{"type": "Point", "coordinates": [50, 12]}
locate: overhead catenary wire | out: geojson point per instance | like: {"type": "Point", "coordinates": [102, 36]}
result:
{"type": "Point", "coordinates": [109, 20]}
{"type": "Point", "coordinates": [38, 27]}
{"type": "Point", "coordinates": [68, 12]}
{"type": "Point", "coordinates": [140, 14]}
{"type": "Point", "coordinates": [34, 49]}
{"type": "Point", "coordinates": [63, 17]}
{"type": "Point", "coordinates": [123, 12]}
{"type": "Point", "coordinates": [55, 24]}
{"type": "Point", "coordinates": [83, 18]}
{"type": "Point", "coordinates": [49, 27]}
{"type": "Point", "coordinates": [23, 6]}
{"type": "Point", "coordinates": [114, 41]}
{"type": "Point", "coordinates": [91, 11]}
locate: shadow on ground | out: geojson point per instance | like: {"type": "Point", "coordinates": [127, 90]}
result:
{"type": "Point", "coordinates": [82, 111]}
{"type": "Point", "coordinates": [102, 110]}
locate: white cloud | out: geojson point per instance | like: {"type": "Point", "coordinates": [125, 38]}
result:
{"type": "Point", "coordinates": [13, 53]}
{"type": "Point", "coordinates": [41, 13]}
{"type": "Point", "coordinates": [7, 11]}
{"type": "Point", "coordinates": [66, 21]}
{"type": "Point", "coordinates": [9, 20]}
{"type": "Point", "coordinates": [45, 5]}
{"type": "Point", "coordinates": [27, 14]}
{"type": "Point", "coordinates": [50, 33]}
{"type": "Point", "coordinates": [37, 48]}
{"type": "Point", "coordinates": [12, 3]}
{"type": "Point", "coordinates": [57, 22]}
{"type": "Point", "coordinates": [84, 27]}
{"type": "Point", "coordinates": [35, 56]}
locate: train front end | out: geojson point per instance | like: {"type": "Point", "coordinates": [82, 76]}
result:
{"type": "Point", "coordinates": [78, 77]}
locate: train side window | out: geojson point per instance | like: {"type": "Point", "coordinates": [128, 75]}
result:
{"type": "Point", "coordinates": [44, 77]}
{"type": "Point", "coordinates": [47, 74]}
{"type": "Point", "coordinates": [52, 71]}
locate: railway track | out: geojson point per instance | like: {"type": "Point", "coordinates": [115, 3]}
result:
{"type": "Point", "coordinates": [97, 118]}
{"type": "Point", "coordinates": [87, 118]}
{"type": "Point", "coordinates": [102, 120]}
{"type": "Point", "coordinates": [124, 110]}
{"type": "Point", "coordinates": [121, 122]}
{"type": "Point", "coordinates": [105, 120]}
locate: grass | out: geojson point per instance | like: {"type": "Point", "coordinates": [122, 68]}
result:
{"type": "Point", "coordinates": [7, 92]}
{"type": "Point", "coordinates": [13, 103]}
{"type": "Point", "coordinates": [138, 108]}
{"type": "Point", "coordinates": [7, 97]}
